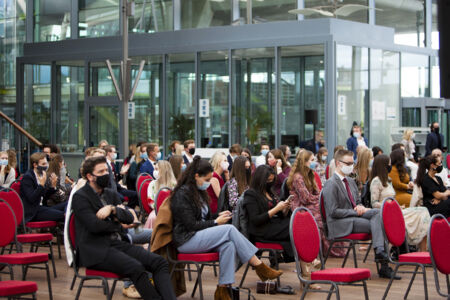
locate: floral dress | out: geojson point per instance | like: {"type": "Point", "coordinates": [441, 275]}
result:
{"type": "Point", "coordinates": [233, 193]}
{"type": "Point", "coordinates": [321, 170]}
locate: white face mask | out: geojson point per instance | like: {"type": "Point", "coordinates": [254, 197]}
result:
{"type": "Point", "coordinates": [156, 174]}
{"type": "Point", "coordinates": [347, 170]}
{"type": "Point", "coordinates": [324, 158]}
{"type": "Point", "coordinates": [224, 165]}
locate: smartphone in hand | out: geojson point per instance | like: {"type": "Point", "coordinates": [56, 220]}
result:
{"type": "Point", "coordinates": [290, 198]}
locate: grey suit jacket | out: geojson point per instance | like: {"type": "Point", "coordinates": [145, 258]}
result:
{"type": "Point", "coordinates": [338, 207]}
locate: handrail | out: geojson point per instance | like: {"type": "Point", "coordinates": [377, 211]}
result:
{"type": "Point", "coordinates": [21, 130]}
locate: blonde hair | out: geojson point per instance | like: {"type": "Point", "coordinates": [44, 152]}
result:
{"type": "Point", "coordinates": [363, 164]}
{"type": "Point", "coordinates": [137, 156]}
{"type": "Point", "coordinates": [301, 168]}
{"type": "Point", "coordinates": [216, 159]}
{"type": "Point", "coordinates": [99, 150]}
{"type": "Point", "coordinates": [407, 134]}
{"type": "Point", "coordinates": [179, 150]}
{"type": "Point", "coordinates": [166, 177]}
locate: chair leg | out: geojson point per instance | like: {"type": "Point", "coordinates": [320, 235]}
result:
{"type": "Point", "coordinates": [411, 282]}
{"type": "Point", "coordinates": [215, 270]}
{"type": "Point", "coordinates": [244, 275]}
{"type": "Point", "coordinates": [189, 272]}
{"type": "Point", "coordinates": [275, 254]}
{"type": "Point", "coordinates": [53, 258]}
{"type": "Point", "coordinates": [347, 254]}
{"type": "Point", "coordinates": [80, 286]}
{"type": "Point", "coordinates": [390, 282]}
{"type": "Point", "coordinates": [425, 285]}
{"type": "Point", "coordinates": [106, 288]}
{"type": "Point", "coordinates": [112, 289]}
{"type": "Point", "coordinates": [305, 289]}
{"type": "Point", "coordinates": [330, 293]}
{"type": "Point", "coordinates": [366, 293]}
{"type": "Point", "coordinates": [328, 252]}
{"type": "Point", "coordinates": [199, 275]}
{"type": "Point", "coordinates": [73, 281]}
{"type": "Point", "coordinates": [47, 270]}
{"type": "Point", "coordinates": [355, 260]}
{"type": "Point", "coordinates": [367, 253]}
{"type": "Point", "coordinates": [338, 296]}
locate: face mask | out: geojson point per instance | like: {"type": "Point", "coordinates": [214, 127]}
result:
{"type": "Point", "coordinates": [269, 185]}
{"type": "Point", "coordinates": [439, 169]}
{"type": "Point", "coordinates": [192, 151]}
{"type": "Point", "coordinates": [3, 162]}
{"type": "Point", "coordinates": [224, 165]}
{"type": "Point", "coordinates": [204, 186]}
{"type": "Point", "coordinates": [42, 169]}
{"type": "Point", "coordinates": [48, 157]}
{"type": "Point", "coordinates": [156, 174]}
{"type": "Point", "coordinates": [413, 136]}
{"type": "Point", "coordinates": [272, 162]}
{"type": "Point", "coordinates": [158, 156]}
{"type": "Point", "coordinates": [264, 152]}
{"type": "Point", "coordinates": [102, 181]}
{"type": "Point", "coordinates": [248, 172]}
{"type": "Point", "coordinates": [324, 158]}
{"type": "Point", "coordinates": [313, 165]}
{"type": "Point", "coordinates": [144, 155]}
{"type": "Point", "coordinates": [114, 156]}
{"type": "Point", "coordinates": [183, 167]}
{"type": "Point", "coordinates": [389, 168]}
{"type": "Point", "coordinates": [356, 134]}
{"type": "Point", "coordinates": [347, 170]}
{"type": "Point", "coordinates": [233, 157]}
{"type": "Point", "coordinates": [436, 130]}
{"type": "Point", "coordinates": [371, 163]}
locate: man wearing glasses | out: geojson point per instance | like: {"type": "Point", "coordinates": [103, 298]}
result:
{"type": "Point", "coordinates": [345, 213]}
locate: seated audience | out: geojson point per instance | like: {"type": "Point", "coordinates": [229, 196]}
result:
{"type": "Point", "coordinates": [361, 172]}
{"type": "Point", "coordinates": [220, 165]}
{"type": "Point", "coordinates": [173, 148]}
{"type": "Point", "coordinates": [286, 150]}
{"type": "Point", "coordinates": [34, 192]}
{"type": "Point", "coordinates": [7, 172]}
{"type": "Point", "coordinates": [321, 166]}
{"type": "Point", "coordinates": [235, 150]}
{"type": "Point", "coordinates": [246, 152]}
{"type": "Point", "coordinates": [376, 151]}
{"type": "Point", "coordinates": [163, 178]}
{"type": "Point", "coordinates": [444, 173]}
{"type": "Point", "coordinates": [102, 144]}
{"type": "Point", "coordinates": [411, 166]}
{"type": "Point", "coordinates": [12, 160]}
{"type": "Point", "coordinates": [435, 194]}
{"type": "Point", "coordinates": [153, 155]}
{"type": "Point", "coordinates": [194, 230]}
{"type": "Point", "coordinates": [345, 213]}
{"type": "Point", "coordinates": [409, 144]}
{"type": "Point", "coordinates": [62, 192]}
{"type": "Point", "coordinates": [332, 164]}
{"type": "Point", "coordinates": [178, 166]}
{"type": "Point", "coordinates": [140, 158]}
{"type": "Point", "coordinates": [400, 178]}
{"type": "Point", "coordinates": [275, 159]}
{"type": "Point", "coordinates": [189, 151]}
{"type": "Point", "coordinates": [102, 242]}
{"type": "Point", "coordinates": [315, 143]}
{"type": "Point", "coordinates": [261, 160]}
{"type": "Point", "coordinates": [417, 219]}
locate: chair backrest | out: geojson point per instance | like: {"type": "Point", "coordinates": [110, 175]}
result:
{"type": "Point", "coordinates": [323, 213]}
{"type": "Point", "coordinates": [143, 196]}
{"type": "Point", "coordinates": [439, 243]}
{"type": "Point", "coordinates": [16, 186]}
{"type": "Point", "coordinates": [305, 236]}
{"type": "Point", "coordinates": [72, 233]}
{"type": "Point", "coordinates": [161, 196]}
{"type": "Point", "coordinates": [392, 222]}
{"type": "Point", "coordinates": [7, 224]}
{"type": "Point", "coordinates": [13, 199]}
{"type": "Point", "coordinates": [140, 180]}
{"type": "Point", "coordinates": [327, 170]}
{"type": "Point", "coordinates": [318, 180]}
{"type": "Point", "coordinates": [284, 192]}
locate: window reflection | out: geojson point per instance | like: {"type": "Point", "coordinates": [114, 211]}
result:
{"type": "Point", "coordinates": [51, 20]}
{"type": "Point", "coordinates": [323, 8]}
{"type": "Point", "coordinates": [98, 18]}
{"type": "Point", "coordinates": [101, 83]}
{"type": "Point", "coordinates": [205, 13]}
{"type": "Point", "coordinates": [415, 74]}
{"type": "Point", "coordinates": [152, 16]}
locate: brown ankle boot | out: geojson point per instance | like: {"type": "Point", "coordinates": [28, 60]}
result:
{"type": "Point", "coordinates": [222, 293]}
{"type": "Point", "coordinates": [266, 273]}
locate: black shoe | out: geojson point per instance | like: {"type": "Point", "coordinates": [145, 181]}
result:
{"type": "Point", "coordinates": [387, 272]}
{"type": "Point", "coordinates": [381, 257]}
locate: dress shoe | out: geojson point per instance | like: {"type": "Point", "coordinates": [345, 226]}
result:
{"type": "Point", "coordinates": [387, 272]}
{"type": "Point", "coordinates": [131, 292]}
{"type": "Point", "coordinates": [381, 257]}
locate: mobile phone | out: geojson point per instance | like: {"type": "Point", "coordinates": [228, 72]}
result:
{"type": "Point", "coordinates": [289, 199]}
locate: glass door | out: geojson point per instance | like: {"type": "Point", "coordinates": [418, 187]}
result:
{"type": "Point", "coordinates": [103, 124]}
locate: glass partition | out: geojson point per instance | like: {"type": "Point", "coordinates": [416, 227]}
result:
{"type": "Point", "coordinates": [100, 81]}
{"type": "Point", "coordinates": [435, 77]}
{"type": "Point", "coordinates": [152, 16]}
{"type": "Point", "coordinates": [147, 122]}
{"type": "Point", "coordinates": [181, 97]}
{"type": "Point", "coordinates": [98, 18]}
{"type": "Point", "coordinates": [51, 20]}
{"type": "Point", "coordinates": [302, 95]}
{"type": "Point", "coordinates": [103, 124]}
{"type": "Point", "coordinates": [415, 75]}
{"type": "Point", "coordinates": [213, 120]}
{"type": "Point", "coordinates": [338, 9]}
{"type": "Point", "coordinates": [253, 100]}
{"type": "Point", "coordinates": [352, 84]}
{"type": "Point", "coordinates": [205, 13]}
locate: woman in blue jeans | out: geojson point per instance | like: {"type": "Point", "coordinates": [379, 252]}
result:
{"type": "Point", "coordinates": [194, 230]}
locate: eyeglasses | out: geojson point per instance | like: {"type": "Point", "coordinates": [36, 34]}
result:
{"type": "Point", "coordinates": [347, 163]}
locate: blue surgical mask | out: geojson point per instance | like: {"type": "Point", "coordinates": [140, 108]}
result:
{"type": "Point", "coordinates": [264, 152]}
{"type": "Point", "coordinates": [356, 134]}
{"type": "Point", "coordinates": [3, 162]}
{"type": "Point", "coordinates": [204, 186]}
{"type": "Point", "coordinates": [313, 165]}
{"type": "Point", "coordinates": [183, 167]}
{"type": "Point", "coordinates": [114, 156]}
{"type": "Point", "coordinates": [158, 156]}
{"type": "Point", "coordinates": [144, 155]}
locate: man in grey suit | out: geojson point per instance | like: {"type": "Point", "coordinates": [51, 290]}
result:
{"type": "Point", "coordinates": [345, 213]}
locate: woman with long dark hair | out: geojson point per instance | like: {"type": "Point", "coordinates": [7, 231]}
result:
{"type": "Point", "coordinates": [435, 194]}
{"type": "Point", "coordinates": [417, 219]}
{"type": "Point", "coordinates": [276, 160]}
{"type": "Point", "coordinates": [400, 178]}
{"type": "Point", "coordinates": [194, 230]}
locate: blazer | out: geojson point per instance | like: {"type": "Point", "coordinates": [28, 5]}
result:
{"type": "Point", "coordinates": [93, 236]}
{"type": "Point", "coordinates": [31, 193]}
{"type": "Point", "coordinates": [311, 145]}
{"type": "Point", "coordinates": [230, 162]}
{"type": "Point", "coordinates": [433, 143]}
{"type": "Point", "coordinates": [338, 207]}
{"type": "Point", "coordinates": [147, 167]}
{"type": "Point", "coordinates": [186, 160]}
{"type": "Point", "coordinates": [352, 144]}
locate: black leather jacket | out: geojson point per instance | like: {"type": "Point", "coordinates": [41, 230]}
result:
{"type": "Point", "coordinates": [187, 216]}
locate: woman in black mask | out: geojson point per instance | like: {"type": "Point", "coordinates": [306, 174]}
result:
{"type": "Point", "coordinates": [268, 216]}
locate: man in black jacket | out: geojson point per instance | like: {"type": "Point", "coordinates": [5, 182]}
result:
{"type": "Point", "coordinates": [34, 192]}
{"type": "Point", "coordinates": [435, 140]}
{"type": "Point", "coordinates": [101, 242]}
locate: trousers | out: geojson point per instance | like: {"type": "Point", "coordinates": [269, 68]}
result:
{"type": "Point", "coordinates": [54, 213]}
{"type": "Point", "coordinates": [370, 222]}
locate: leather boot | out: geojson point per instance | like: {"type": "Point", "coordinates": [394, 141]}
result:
{"type": "Point", "coordinates": [222, 293]}
{"type": "Point", "coordinates": [265, 273]}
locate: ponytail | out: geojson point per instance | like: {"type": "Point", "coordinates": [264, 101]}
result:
{"type": "Point", "coordinates": [424, 166]}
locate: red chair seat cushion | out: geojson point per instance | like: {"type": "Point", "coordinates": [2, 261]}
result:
{"type": "Point", "coordinates": [357, 237]}
{"type": "Point", "coordinates": [34, 237]}
{"type": "Point", "coordinates": [416, 257]}
{"type": "Point", "coordinates": [41, 224]}
{"type": "Point", "coordinates": [24, 258]}
{"type": "Point", "coordinates": [341, 274]}
{"type": "Point", "coordinates": [199, 257]}
{"type": "Point", "coordinates": [269, 246]}
{"type": "Point", "coordinates": [15, 287]}
{"type": "Point", "coordinates": [91, 272]}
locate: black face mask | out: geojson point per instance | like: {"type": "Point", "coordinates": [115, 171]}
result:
{"type": "Point", "coordinates": [389, 169]}
{"type": "Point", "coordinates": [269, 185]}
{"type": "Point", "coordinates": [102, 181]}
{"type": "Point", "coordinates": [42, 169]}
{"type": "Point", "coordinates": [248, 172]}
{"type": "Point", "coordinates": [439, 169]}
{"type": "Point", "coordinates": [48, 157]}
{"type": "Point", "coordinates": [436, 130]}
{"type": "Point", "coordinates": [192, 151]}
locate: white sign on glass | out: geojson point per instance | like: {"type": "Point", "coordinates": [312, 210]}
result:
{"type": "Point", "coordinates": [342, 99]}
{"type": "Point", "coordinates": [378, 111]}
{"type": "Point", "coordinates": [203, 108]}
{"type": "Point", "coordinates": [131, 110]}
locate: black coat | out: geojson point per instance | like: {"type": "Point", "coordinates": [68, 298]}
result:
{"type": "Point", "coordinates": [433, 142]}
{"type": "Point", "coordinates": [31, 193]}
{"type": "Point", "coordinates": [187, 216]}
{"type": "Point", "coordinates": [93, 236]}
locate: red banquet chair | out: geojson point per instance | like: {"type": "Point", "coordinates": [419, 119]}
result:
{"type": "Point", "coordinates": [141, 177]}
{"type": "Point", "coordinates": [145, 203]}
{"type": "Point", "coordinates": [13, 289]}
{"type": "Point", "coordinates": [25, 260]}
{"type": "Point", "coordinates": [439, 247]}
{"type": "Point", "coordinates": [352, 239]}
{"type": "Point", "coordinates": [161, 196]}
{"type": "Point", "coordinates": [394, 230]}
{"type": "Point", "coordinates": [305, 240]}
{"type": "Point", "coordinates": [34, 239]}
{"type": "Point", "coordinates": [90, 274]}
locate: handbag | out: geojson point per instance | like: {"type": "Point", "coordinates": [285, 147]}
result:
{"type": "Point", "coordinates": [266, 287]}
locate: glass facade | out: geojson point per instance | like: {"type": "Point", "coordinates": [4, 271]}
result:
{"type": "Point", "coordinates": [152, 16]}
{"type": "Point", "coordinates": [205, 13]}
{"type": "Point", "coordinates": [415, 75]}
{"type": "Point", "coordinates": [338, 9]}
{"type": "Point", "coordinates": [51, 20]}
{"type": "Point", "coordinates": [100, 81]}
{"type": "Point", "coordinates": [97, 18]}
{"type": "Point", "coordinates": [103, 124]}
